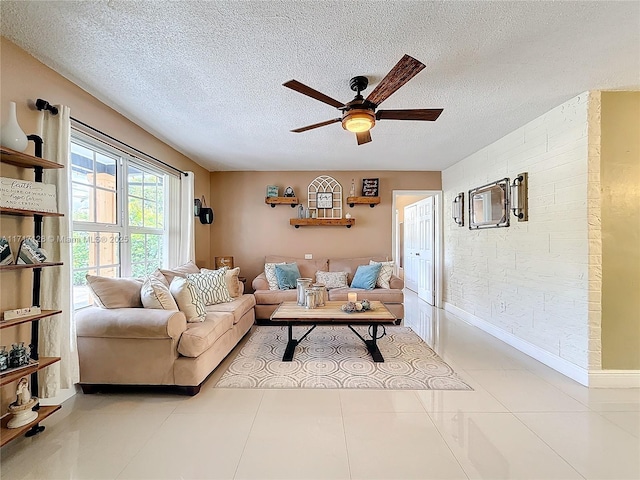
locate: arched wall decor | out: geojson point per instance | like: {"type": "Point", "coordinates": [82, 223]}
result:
{"type": "Point", "coordinates": [325, 197]}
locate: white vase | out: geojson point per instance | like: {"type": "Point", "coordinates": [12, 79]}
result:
{"type": "Point", "coordinates": [11, 135]}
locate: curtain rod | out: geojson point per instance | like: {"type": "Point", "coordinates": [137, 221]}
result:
{"type": "Point", "coordinates": [44, 105]}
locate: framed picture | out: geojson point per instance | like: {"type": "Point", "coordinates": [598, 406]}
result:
{"type": "Point", "coordinates": [272, 190]}
{"type": "Point", "coordinates": [324, 200]}
{"type": "Point", "coordinates": [370, 187]}
{"type": "Point", "coordinates": [223, 262]}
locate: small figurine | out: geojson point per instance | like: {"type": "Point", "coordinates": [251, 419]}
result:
{"type": "Point", "coordinates": [352, 190]}
{"type": "Point", "coordinates": [22, 408]}
{"type": "Point", "coordinates": [288, 192]}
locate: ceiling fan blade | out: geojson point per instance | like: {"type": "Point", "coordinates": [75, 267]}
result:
{"type": "Point", "coordinates": [407, 68]}
{"type": "Point", "coordinates": [316, 125]}
{"type": "Point", "coordinates": [310, 92]}
{"type": "Point", "coordinates": [428, 114]}
{"type": "Point", "coordinates": [363, 137]}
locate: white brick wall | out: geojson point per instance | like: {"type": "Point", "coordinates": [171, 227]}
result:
{"type": "Point", "coordinates": [530, 279]}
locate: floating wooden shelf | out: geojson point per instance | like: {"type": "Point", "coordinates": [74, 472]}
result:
{"type": "Point", "coordinates": [30, 318]}
{"type": "Point", "coordinates": [273, 201]}
{"type": "Point", "coordinates": [8, 434]}
{"type": "Point", "coordinates": [322, 222]}
{"type": "Point", "coordinates": [43, 362]}
{"type": "Point", "coordinates": [20, 159]}
{"type": "Point", "coordinates": [371, 201]}
{"type": "Point", "coordinates": [28, 213]}
{"type": "Point", "coordinates": [30, 265]}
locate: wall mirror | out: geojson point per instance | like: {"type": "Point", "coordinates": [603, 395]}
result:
{"type": "Point", "coordinates": [489, 205]}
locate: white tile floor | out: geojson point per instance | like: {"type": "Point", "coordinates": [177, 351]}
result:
{"type": "Point", "coordinates": [523, 420]}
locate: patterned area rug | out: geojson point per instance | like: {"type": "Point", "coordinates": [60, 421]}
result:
{"type": "Point", "coordinates": [334, 357]}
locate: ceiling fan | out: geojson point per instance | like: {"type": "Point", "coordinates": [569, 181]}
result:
{"type": "Point", "coordinates": [359, 115]}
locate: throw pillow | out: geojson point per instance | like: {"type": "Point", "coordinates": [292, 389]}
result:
{"type": "Point", "coordinates": [386, 270]}
{"type": "Point", "coordinates": [211, 285]}
{"type": "Point", "coordinates": [234, 285]}
{"type": "Point", "coordinates": [115, 292]}
{"type": "Point", "coordinates": [180, 271]}
{"type": "Point", "coordinates": [366, 276]}
{"type": "Point", "coordinates": [270, 273]}
{"type": "Point", "coordinates": [287, 275]}
{"type": "Point", "coordinates": [332, 279]}
{"type": "Point", "coordinates": [155, 294]}
{"type": "Point", "coordinates": [188, 299]}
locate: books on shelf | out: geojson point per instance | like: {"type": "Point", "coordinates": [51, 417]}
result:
{"type": "Point", "coordinates": [6, 256]}
{"type": "Point", "coordinates": [30, 252]}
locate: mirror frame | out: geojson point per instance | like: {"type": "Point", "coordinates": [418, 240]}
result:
{"type": "Point", "coordinates": [503, 221]}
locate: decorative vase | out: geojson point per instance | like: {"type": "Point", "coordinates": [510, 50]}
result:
{"type": "Point", "coordinates": [11, 135]}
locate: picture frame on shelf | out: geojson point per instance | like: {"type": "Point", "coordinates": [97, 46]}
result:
{"type": "Point", "coordinates": [272, 190]}
{"type": "Point", "coordinates": [6, 255]}
{"type": "Point", "coordinates": [324, 200]}
{"type": "Point", "coordinates": [370, 187]}
{"type": "Point", "coordinates": [30, 253]}
{"type": "Point", "coordinates": [221, 262]}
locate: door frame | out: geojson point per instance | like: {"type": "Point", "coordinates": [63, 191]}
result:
{"type": "Point", "coordinates": [438, 246]}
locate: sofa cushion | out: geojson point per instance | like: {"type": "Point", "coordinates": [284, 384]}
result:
{"type": "Point", "coordinates": [350, 265]}
{"type": "Point", "coordinates": [234, 285]}
{"type": "Point", "coordinates": [307, 268]}
{"type": "Point", "coordinates": [287, 275]}
{"type": "Point", "coordinates": [271, 297]}
{"type": "Point", "coordinates": [380, 294]}
{"type": "Point", "coordinates": [179, 271]}
{"type": "Point", "coordinates": [270, 273]}
{"type": "Point", "coordinates": [199, 337]}
{"type": "Point", "coordinates": [386, 270]}
{"type": "Point", "coordinates": [212, 285]}
{"type": "Point", "coordinates": [332, 279]}
{"type": "Point", "coordinates": [115, 292]}
{"type": "Point", "coordinates": [155, 294]}
{"type": "Point", "coordinates": [366, 276]}
{"type": "Point", "coordinates": [188, 299]}
{"type": "Point", "coordinates": [238, 307]}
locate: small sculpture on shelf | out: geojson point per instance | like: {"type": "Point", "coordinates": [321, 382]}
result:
{"type": "Point", "coordinates": [22, 408]}
{"type": "Point", "coordinates": [18, 356]}
{"type": "Point", "coordinates": [288, 192]}
{"type": "Point", "coordinates": [352, 190]}
{"type": "Point", "coordinates": [4, 358]}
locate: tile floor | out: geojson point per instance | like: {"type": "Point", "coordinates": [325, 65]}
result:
{"type": "Point", "coordinates": [523, 420]}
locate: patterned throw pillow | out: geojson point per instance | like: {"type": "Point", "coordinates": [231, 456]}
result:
{"type": "Point", "coordinates": [386, 270]}
{"type": "Point", "coordinates": [332, 279]}
{"type": "Point", "coordinates": [188, 299]}
{"type": "Point", "coordinates": [155, 294]}
{"type": "Point", "coordinates": [212, 286]}
{"type": "Point", "coordinates": [234, 285]}
{"type": "Point", "coordinates": [270, 273]}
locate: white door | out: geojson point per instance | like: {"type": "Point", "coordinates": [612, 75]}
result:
{"type": "Point", "coordinates": [424, 250]}
{"type": "Point", "coordinates": [410, 248]}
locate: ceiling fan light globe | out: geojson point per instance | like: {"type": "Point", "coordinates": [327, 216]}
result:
{"type": "Point", "coordinates": [358, 121]}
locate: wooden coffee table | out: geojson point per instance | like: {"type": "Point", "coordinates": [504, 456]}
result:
{"type": "Point", "coordinates": [331, 314]}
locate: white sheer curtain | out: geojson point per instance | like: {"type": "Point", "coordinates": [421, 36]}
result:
{"type": "Point", "coordinates": [181, 239]}
{"type": "Point", "coordinates": [58, 333]}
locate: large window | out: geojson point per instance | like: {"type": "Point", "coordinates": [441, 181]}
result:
{"type": "Point", "coordinates": [119, 221]}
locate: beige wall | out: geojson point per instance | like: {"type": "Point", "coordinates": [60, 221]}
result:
{"type": "Point", "coordinates": [620, 203]}
{"type": "Point", "coordinates": [248, 229]}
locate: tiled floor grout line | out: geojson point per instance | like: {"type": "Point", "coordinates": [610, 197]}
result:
{"type": "Point", "coordinates": [246, 440]}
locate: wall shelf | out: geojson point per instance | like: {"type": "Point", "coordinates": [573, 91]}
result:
{"type": "Point", "coordinates": [29, 318]}
{"type": "Point", "coordinates": [28, 213]}
{"type": "Point", "coordinates": [322, 222]}
{"type": "Point", "coordinates": [16, 375]}
{"type": "Point", "coordinates": [371, 201]}
{"type": "Point", "coordinates": [20, 159]}
{"type": "Point", "coordinates": [273, 201]}
{"type": "Point", "coordinates": [29, 265]}
{"type": "Point", "coordinates": [8, 434]}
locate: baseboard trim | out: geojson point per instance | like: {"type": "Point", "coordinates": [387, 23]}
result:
{"type": "Point", "coordinates": [561, 365]}
{"type": "Point", "coordinates": [614, 379]}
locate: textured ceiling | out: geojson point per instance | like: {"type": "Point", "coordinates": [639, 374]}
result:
{"type": "Point", "coordinates": [206, 76]}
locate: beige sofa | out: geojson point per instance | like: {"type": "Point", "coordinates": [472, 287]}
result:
{"type": "Point", "coordinates": [268, 300]}
{"type": "Point", "coordinates": [145, 346]}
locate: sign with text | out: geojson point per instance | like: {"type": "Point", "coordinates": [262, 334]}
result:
{"type": "Point", "coordinates": [26, 195]}
{"type": "Point", "coordinates": [370, 187]}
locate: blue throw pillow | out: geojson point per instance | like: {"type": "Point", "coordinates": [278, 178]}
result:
{"type": "Point", "coordinates": [366, 276]}
{"type": "Point", "coordinates": [287, 274]}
